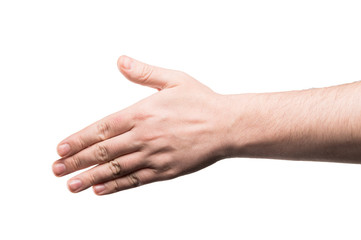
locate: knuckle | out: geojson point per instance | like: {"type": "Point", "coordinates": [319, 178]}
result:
{"type": "Point", "coordinates": [146, 72]}
{"type": "Point", "coordinates": [76, 162]}
{"type": "Point", "coordinates": [162, 163]}
{"type": "Point", "coordinates": [92, 179]}
{"type": "Point", "coordinates": [101, 153]}
{"type": "Point", "coordinates": [115, 168]}
{"type": "Point", "coordinates": [103, 129]}
{"type": "Point", "coordinates": [161, 167]}
{"type": "Point", "coordinates": [117, 187]}
{"type": "Point", "coordinates": [133, 180]}
{"type": "Point", "coordinates": [171, 173]}
{"type": "Point", "coordinates": [81, 142]}
{"type": "Point", "coordinates": [140, 115]}
{"type": "Point", "coordinates": [183, 75]}
{"type": "Point", "coordinates": [148, 137]}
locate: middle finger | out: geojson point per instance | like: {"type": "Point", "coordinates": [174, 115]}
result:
{"type": "Point", "coordinates": [98, 153]}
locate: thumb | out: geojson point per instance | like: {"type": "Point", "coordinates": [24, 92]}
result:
{"type": "Point", "coordinates": [147, 75]}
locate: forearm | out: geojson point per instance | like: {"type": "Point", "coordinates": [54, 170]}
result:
{"type": "Point", "coordinates": [316, 124]}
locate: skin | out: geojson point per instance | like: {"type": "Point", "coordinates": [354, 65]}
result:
{"type": "Point", "coordinates": [185, 127]}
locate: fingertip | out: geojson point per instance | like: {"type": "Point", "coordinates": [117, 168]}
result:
{"type": "Point", "coordinates": [63, 149]}
{"type": "Point", "coordinates": [74, 185]}
{"type": "Point", "coordinates": [119, 61]}
{"type": "Point", "coordinates": [99, 189]}
{"type": "Point", "coordinates": [124, 63]}
{"type": "Point", "coordinates": [58, 169]}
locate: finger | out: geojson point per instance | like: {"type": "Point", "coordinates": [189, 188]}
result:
{"type": "Point", "coordinates": [132, 180]}
{"type": "Point", "coordinates": [151, 76]}
{"type": "Point", "coordinates": [98, 153]}
{"type": "Point", "coordinates": [101, 130]}
{"type": "Point", "coordinates": [107, 171]}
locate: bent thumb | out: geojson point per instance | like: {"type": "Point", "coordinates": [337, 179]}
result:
{"type": "Point", "coordinates": [147, 75]}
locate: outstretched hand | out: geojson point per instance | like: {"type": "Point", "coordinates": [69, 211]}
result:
{"type": "Point", "coordinates": [178, 130]}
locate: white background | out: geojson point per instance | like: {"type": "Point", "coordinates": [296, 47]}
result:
{"type": "Point", "coordinates": [58, 74]}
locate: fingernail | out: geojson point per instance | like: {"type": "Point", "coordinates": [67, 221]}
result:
{"type": "Point", "coordinates": [58, 169]}
{"type": "Point", "coordinates": [126, 62]}
{"type": "Point", "coordinates": [99, 188]}
{"type": "Point", "coordinates": [63, 149]}
{"type": "Point", "coordinates": [74, 185]}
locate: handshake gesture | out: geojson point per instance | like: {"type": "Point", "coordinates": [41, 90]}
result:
{"type": "Point", "coordinates": [176, 131]}
{"type": "Point", "coordinates": [185, 127]}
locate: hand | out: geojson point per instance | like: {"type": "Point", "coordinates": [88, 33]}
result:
{"type": "Point", "coordinates": [176, 131]}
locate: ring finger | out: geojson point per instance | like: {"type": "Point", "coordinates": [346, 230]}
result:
{"type": "Point", "coordinates": [107, 171]}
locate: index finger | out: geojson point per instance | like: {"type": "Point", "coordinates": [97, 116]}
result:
{"type": "Point", "coordinates": [108, 127]}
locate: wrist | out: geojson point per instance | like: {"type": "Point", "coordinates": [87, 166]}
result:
{"type": "Point", "coordinates": [236, 123]}
{"type": "Point", "coordinates": [252, 126]}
